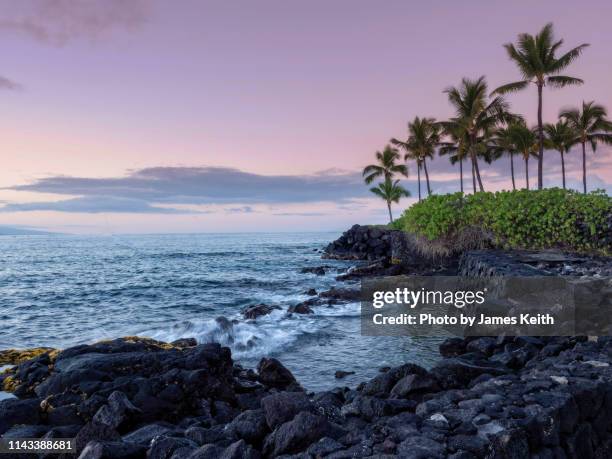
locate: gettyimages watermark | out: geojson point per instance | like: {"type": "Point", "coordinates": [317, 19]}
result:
{"type": "Point", "coordinates": [462, 306]}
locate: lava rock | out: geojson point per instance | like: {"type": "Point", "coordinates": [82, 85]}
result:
{"type": "Point", "coordinates": [283, 406]}
{"type": "Point", "coordinates": [274, 374]}
{"type": "Point", "coordinates": [258, 310]}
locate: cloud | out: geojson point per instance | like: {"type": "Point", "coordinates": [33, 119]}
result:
{"type": "Point", "coordinates": [94, 205]}
{"type": "Point", "coordinates": [57, 22]}
{"type": "Point", "coordinates": [208, 185]}
{"type": "Point", "coordinates": [300, 214]}
{"type": "Point", "coordinates": [240, 210]}
{"type": "Point", "coordinates": [10, 85]}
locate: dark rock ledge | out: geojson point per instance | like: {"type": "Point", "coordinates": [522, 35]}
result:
{"type": "Point", "coordinates": [487, 397]}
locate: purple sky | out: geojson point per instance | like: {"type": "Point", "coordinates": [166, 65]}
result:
{"type": "Point", "coordinates": [136, 116]}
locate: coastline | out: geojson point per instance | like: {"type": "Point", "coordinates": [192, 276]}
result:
{"type": "Point", "coordinates": [485, 397]}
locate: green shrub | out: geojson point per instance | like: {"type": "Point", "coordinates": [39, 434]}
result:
{"type": "Point", "coordinates": [550, 218]}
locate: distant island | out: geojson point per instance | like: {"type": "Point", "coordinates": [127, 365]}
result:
{"type": "Point", "coordinates": [22, 231]}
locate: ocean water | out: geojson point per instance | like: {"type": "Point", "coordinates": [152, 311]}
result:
{"type": "Point", "coordinates": [60, 291]}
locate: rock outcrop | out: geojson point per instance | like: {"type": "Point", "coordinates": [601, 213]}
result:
{"type": "Point", "coordinates": [137, 398]}
{"type": "Point", "coordinates": [361, 243]}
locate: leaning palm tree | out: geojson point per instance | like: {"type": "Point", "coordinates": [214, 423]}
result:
{"type": "Point", "coordinates": [502, 144]}
{"type": "Point", "coordinates": [423, 138]}
{"type": "Point", "coordinates": [561, 137]}
{"type": "Point", "coordinates": [524, 141]}
{"type": "Point", "coordinates": [476, 115]}
{"type": "Point", "coordinates": [391, 192]}
{"type": "Point", "coordinates": [538, 63]}
{"type": "Point", "coordinates": [386, 166]}
{"type": "Point", "coordinates": [591, 125]}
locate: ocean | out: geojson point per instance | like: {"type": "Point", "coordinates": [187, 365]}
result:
{"type": "Point", "coordinates": [60, 291]}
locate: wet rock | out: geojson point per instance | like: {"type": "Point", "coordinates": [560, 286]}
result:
{"type": "Point", "coordinates": [317, 270]}
{"type": "Point", "coordinates": [184, 342]}
{"type": "Point", "coordinates": [258, 310]}
{"type": "Point", "coordinates": [311, 292]}
{"type": "Point", "coordinates": [452, 347]}
{"type": "Point", "coordinates": [340, 374]}
{"type": "Point", "coordinates": [300, 308]}
{"type": "Point", "coordinates": [273, 373]}
{"type": "Point", "coordinates": [343, 294]}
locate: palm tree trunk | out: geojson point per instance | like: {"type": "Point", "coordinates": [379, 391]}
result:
{"type": "Point", "coordinates": [426, 176]}
{"type": "Point", "coordinates": [563, 168]}
{"type": "Point", "coordinates": [584, 166]}
{"type": "Point", "coordinates": [473, 175]}
{"type": "Point", "coordinates": [390, 214]}
{"type": "Point", "coordinates": [477, 170]}
{"type": "Point", "coordinates": [461, 173]}
{"type": "Point", "coordinates": [512, 171]}
{"type": "Point", "coordinates": [419, 178]}
{"type": "Point", "coordinates": [475, 162]}
{"type": "Point", "coordinates": [540, 140]}
{"type": "Point", "coordinates": [527, 171]}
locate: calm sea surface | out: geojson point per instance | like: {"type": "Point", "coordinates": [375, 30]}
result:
{"type": "Point", "coordinates": [61, 291]}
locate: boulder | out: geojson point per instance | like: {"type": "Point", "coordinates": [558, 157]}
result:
{"type": "Point", "coordinates": [297, 435]}
{"type": "Point", "coordinates": [250, 426]}
{"type": "Point", "coordinates": [283, 406]}
{"type": "Point", "coordinates": [274, 374]}
{"type": "Point", "coordinates": [14, 411]}
{"type": "Point", "coordinates": [414, 384]}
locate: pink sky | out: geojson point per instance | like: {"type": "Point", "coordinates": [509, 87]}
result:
{"type": "Point", "coordinates": [271, 88]}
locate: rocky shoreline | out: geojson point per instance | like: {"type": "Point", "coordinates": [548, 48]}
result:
{"type": "Point", "coordinates": [487, 397]}
{"type": "Point", "coordinates": [493, 397]}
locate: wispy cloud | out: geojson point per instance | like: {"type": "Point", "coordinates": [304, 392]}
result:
{"type": "Point", "coordinates": [9, 85]}
{"type": "Point", "coordinates": [94, 205]}
{"type": "Point", "coordinates": [57, 22]}
{"type": "Point", "coordinates": [207, 185]}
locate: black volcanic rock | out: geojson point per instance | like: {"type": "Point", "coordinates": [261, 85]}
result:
{"type": "Point", "coordinates": [258, 310]}
{"type": "Point", "coordinates": [553, 400]}
{"type": "Point", "coordinates": [273, 373]}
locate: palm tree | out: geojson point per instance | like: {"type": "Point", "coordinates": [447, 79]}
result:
{"type": "Point", "coordinates": [476, 115]}
{"type": "Point", "coordinates": [456, 147]}
{"type": "Point", "coordinates": [502, 144]}
{"type": "Point", "coordinates": [423, 138]}
{"type": "Point", "coordinates": [538, 63]}
{"type": "Point", "coordinates": [386, 166]}
{"type": "Point", "coordinates": [591, 126]}
{"type": "Point", "coordinates": [391, 192]}
{"type": "Point", "coordinates": [524, 141]}
{"type": "Point", "coordinates": [561, 137]}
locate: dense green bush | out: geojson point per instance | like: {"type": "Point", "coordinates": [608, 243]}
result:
{"type": "Point", "coordinates": [550, 218]}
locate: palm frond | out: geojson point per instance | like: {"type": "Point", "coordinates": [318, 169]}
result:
{"type": "Point", "coordinates": [562, 81]}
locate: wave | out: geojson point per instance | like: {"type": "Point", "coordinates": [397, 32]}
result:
{"type": "Point", "coordinates": [246, 338]}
